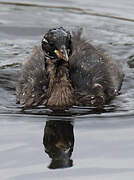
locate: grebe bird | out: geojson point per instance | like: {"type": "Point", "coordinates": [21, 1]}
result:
{"type": "Point", "coordinates": [67, 71]}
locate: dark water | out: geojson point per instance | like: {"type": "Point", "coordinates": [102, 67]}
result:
{"type": "Point", "coordinates": [90, 144]}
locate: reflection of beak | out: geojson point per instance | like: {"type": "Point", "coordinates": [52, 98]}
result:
{"type": "Point", "coordinates": [62, 146]}
{"type": "Point", "coordinates": [62, 54]}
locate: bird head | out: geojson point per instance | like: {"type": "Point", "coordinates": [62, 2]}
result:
{"type": "Point", "coordinates": [57, 44]}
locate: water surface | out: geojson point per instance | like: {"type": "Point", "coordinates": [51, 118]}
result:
{"type": "Point", "coordinates": [89, 144]}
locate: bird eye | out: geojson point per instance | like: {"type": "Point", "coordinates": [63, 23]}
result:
{"type": "Point", "coordinates": [52, 46]}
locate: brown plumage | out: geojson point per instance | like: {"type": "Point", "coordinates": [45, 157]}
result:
{"type": "Point", "coordinates": [67, 72]}
{"type": "Point", "coordinates": [60, 89]}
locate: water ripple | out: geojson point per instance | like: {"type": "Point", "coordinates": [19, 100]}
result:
{"type": "Point", "coordinates": [73, 9]}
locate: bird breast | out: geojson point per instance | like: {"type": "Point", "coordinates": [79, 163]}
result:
{"type": "Point", "coordinates": [60, 88]}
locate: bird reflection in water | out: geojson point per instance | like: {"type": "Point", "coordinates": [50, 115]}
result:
{"type": "Point", "coordinates": [58, 141]}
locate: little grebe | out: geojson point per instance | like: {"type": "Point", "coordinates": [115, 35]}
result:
{"type": "Point", "coordinates": [67, 71]}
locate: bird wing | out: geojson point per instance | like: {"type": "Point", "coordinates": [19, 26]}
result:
{"type": "Point", "coordinates": [32, 85]}
{"type": "Point", "coordinates": [89, 66]}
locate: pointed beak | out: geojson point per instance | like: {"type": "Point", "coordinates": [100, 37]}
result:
{"type": "Point", "coordinates": [62, 54]}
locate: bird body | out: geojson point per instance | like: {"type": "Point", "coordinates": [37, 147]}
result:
{"type": "Point", "coordinates": [66, 72]}
{"type": "Point", "coordinates": [99, 78]}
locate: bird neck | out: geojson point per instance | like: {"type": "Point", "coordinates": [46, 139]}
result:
{"type": "Point", "coordinates": [60, 89]}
